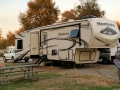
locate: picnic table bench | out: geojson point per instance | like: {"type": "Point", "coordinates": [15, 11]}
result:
{"type": "Point", "coordinates": [27, 71]}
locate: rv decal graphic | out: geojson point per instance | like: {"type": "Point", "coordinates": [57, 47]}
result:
{"type": "Point", "coordinates": [108, 31]}
{"type": "Point", "coordinates": [50, 46]}
{"type": "Point", "coordinates": [18, 51]}
{"type": "Point", "coordinates": [61, 34]}
{"type": "Point", "coordinates": [103, 41]}
{"type": "Point", "coordinates": [105, 24]}
{"type": "Point", "coordinates": [73, 40]}
{"type": "Point", "coordinates": [83, 42]}
{"type": "Point", "coordinates": [22, 55]}
{"type": "Point", "coordinates": [21, 35]}
{"type": "Point", "coordinates": [17, 38]}
{"type": "Point", "coordinates": [99, 40]}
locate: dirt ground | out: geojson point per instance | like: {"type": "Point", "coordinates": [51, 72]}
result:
{"type": "Point", "coordinates": [100, 74]}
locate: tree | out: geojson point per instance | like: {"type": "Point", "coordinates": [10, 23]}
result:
{"type": "Point", "coordinates": [0, 33]}
{"type": "Point", "coordinates": [66, 15]}
{"type": "Point", "coordinates": [19, 31]}
{"type": "Point", "coordinates": [10, 38]}
{"type": "Point", "coordinates": [118, 23]}
{"type": "Point", "coordinates": [39, 13]}
{"type": "Point", "coordinates": [89, 7]}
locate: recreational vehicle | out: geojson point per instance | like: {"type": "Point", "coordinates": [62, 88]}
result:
{"type": "Point", "coordinates": [77, 41]}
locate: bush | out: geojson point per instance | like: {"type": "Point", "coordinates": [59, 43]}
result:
{"type": "Point", "coordinates": [1, 54]}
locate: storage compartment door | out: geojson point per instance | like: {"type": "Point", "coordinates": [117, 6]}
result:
{"type": "Point", "coordinates": [63, 55]}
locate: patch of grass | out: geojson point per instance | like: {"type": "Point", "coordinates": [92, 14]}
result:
{"type": "Point", "coordinates": [73, 85]}
{"type": "Point", "coordinates": [46, 83]}
{"type": "Point", "coordinates": [116, 87]}
{"type": "Point", "coordinates": [48, 75]}
{"type": "Point", "coordinates": [100, 88]}
{"type": "Point", "coordinates": [17, 85]}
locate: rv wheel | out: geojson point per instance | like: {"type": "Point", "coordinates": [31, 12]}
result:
{"type": "Point", "coordinates": [12, 59]}
{"type": "Point", "coordinates": [104, 60]}
{"type": "Point", "coordinates": [26, 60]}
{"type": "Point", "coordinates": [4, 59]}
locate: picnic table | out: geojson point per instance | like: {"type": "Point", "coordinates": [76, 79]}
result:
{"type": "Point", "coordinates": [117, 64]}
{"type": "Point", "coordinates": [27, 71]}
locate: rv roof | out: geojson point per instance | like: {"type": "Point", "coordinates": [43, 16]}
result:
{"type": "Point", "coordinates": [57, 25]}
{"type": "Point", "coordinates": [62, 24]}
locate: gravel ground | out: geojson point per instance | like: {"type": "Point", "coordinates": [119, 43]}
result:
{"type": "Point", "coordinates": [107, 71]}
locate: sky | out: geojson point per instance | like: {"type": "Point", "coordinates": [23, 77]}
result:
{"type": "Point", "coordinates": [10, 9]}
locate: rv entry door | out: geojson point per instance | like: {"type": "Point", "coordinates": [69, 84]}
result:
{"type": "Point", "coordinates": [34, 44]}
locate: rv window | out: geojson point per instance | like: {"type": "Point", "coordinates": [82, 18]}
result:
{"type": "Point", "coordinates": [20, 44]}
{"type": "Point", "coordinates": [44, 39]}
{"type": "Point", "coordinates": [74, 33]}
{"type": "Point", "coordinates": [119, 40]}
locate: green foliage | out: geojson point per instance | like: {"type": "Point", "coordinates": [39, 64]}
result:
{"type": "Point", "coordinates": [118, 23]}
{"type": "Point", "coordinates": [100, 88]}
{"type": "Point", "coordinates": [39, 13]}
{"type": "Point", "coordinates": [89, 7]}
{"type": "Point", "coordinates": [10, 38]}
{"type": "Point", "coordinates": [3, 44]}
{"type": "Point", "coordinates": [71, 14]}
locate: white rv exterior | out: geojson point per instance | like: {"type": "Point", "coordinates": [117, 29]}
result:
{"type": "Point", "coordinates": [22, 46]}
{"type": "Point", "coordinates": [76, 41]}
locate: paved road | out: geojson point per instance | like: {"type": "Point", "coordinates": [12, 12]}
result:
{"type": "Point", "coordinates": [1, 60]}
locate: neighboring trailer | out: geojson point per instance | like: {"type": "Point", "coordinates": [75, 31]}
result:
{"type": "Point", "coordinates": [22, 46]}
{"type": "Point", "coordinates": [77, 41]}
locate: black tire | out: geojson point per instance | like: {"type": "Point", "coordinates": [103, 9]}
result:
{"type": "Point", "coordinates": [12, 59]}
{"type": "Point", "coordinates": [4, 59]}
{"type": "Point", "coordinates": [104, 60]}
{"type": "Point", "coordinates": [26, 60]}
{"type": "Point", "coordinates": [112, 58]}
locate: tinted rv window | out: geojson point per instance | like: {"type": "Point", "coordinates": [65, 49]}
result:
{"type": "Point", "coordinates": [74, 33]}
{"type": "Point", "coordinates": [44, 39]}
{"type": "Point", "coordinates": [20, 44]}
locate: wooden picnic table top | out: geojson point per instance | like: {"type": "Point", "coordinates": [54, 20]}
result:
{"type": "Point", "coordinates": [19, 66]}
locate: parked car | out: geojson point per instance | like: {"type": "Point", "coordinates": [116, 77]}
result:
{"type": "Point", "coordinates": [9, 55]}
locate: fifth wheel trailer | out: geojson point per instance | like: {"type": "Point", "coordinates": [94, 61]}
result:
{"type": "Point", "coordinates": [77, 41]}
